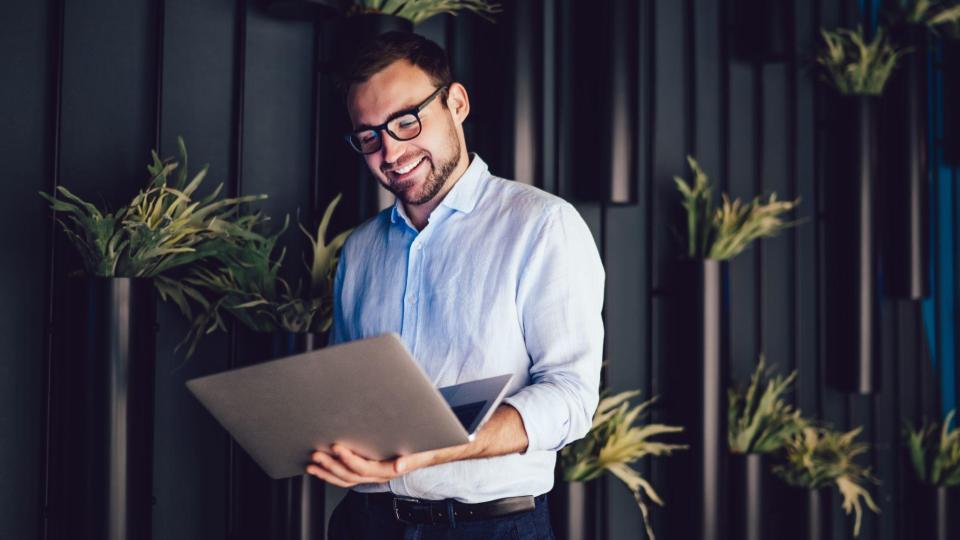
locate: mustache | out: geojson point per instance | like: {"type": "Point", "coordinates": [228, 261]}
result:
{"type": "Point", "coordinates": [391, 167]}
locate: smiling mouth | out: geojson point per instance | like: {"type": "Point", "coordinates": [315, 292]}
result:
{"type": "Point", "coordinates": [401, 172]}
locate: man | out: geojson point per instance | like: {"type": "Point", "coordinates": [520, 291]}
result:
{"type": "Point", "coordinates": [480, 276]}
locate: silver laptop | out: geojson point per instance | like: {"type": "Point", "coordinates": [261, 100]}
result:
{"type": "Point", "coordinates": [370, 395]}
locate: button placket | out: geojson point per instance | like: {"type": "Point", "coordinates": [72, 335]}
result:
{"type": "Point", "coordinates": [412, 289]}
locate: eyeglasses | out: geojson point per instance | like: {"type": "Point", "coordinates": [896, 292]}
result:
{"type": "Point", "coordinates": [402, 126]}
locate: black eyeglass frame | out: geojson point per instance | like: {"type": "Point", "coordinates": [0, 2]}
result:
{"type": "Point", "coordinates": [415, 111]}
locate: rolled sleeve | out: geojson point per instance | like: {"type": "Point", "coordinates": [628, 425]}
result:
{"type": "Point", "coordinates": [560, 298]}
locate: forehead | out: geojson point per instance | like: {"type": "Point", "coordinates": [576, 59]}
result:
{"type": "Point", "coordinates": [399, 86]}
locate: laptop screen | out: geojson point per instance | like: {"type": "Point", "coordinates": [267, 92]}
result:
{"type": "Point", "coordinates": [468, 412]}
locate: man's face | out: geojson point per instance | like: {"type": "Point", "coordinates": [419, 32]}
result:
{"type": "Point", "coordinates": [433, 155]}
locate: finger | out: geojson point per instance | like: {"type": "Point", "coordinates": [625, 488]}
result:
{"type": "Point", "coordinates": [365, 467]}
{"type": "Point", "coordinates": [327, 477]}
{"type": "Point", "coordinates": [337, 468]}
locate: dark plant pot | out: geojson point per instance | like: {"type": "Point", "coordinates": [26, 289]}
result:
{"type": "Point", "coordinates": [762, 29]}
{"type": "Point", "coordinates": [751, 486]}
{"type": "Point", "coordinates": [575, 510]}
{"type": "Point", "coordinates": [851, 310]}
{"type": "Point", "coordinates": [950, 73]}
{"type": "Point", "coordinates": [290, 509]}
{"type": "Point", "coordinates": [818, 508]}
{"type": "Point", "coordinates": [694, 386]}
{"type": "Point", "coordinates": [905, 190]}
{"type": "Point", "coordinates": [935, 512]}
{"type": "Point", "coordinates": [102, 447]}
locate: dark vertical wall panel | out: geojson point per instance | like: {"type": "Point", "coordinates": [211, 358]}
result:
{"type": "Point", "coordinates": [742, 182]}
{"type": "Point", "coordinates": [108, 98]}
{"type": "Point", "coordinates": [776, 258]}
{"type": "Point", "coordinates": [709, 111]}
{"type": "Point", "coordinates": [805, 255]}
{"type": "Point", "coordinates": [197, 103]}
{"type": "Point", "coordinates": [278, 127]}
{"type": "Point", "coordinates": [670, 137]}
{"type": "Point", "coordinates": [28, 38]}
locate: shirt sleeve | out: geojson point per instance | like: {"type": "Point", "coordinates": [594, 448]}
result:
{"type": "Point", "coordinates": [338, 333]}
{"type": "Point", "coordinates": [559, 298]}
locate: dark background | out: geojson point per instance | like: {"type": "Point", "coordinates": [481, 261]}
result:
{"type": "Point", "coordinates": [563, 93]}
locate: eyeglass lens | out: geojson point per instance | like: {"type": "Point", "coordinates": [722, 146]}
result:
{"type": "Point", "coordinates": [401, 128]}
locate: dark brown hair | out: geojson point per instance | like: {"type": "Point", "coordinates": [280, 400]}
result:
{"type": "Point", "coordinates": [389, 47]}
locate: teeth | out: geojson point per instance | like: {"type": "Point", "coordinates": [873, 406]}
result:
{"type": "Point", "coordinates": [408, 168]}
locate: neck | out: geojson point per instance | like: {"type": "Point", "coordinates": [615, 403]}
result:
{"type": "Point", "coordinates": [419, 214]}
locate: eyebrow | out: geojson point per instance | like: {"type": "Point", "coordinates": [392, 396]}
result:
{"type": "Point", "coordinates": [392, 116]}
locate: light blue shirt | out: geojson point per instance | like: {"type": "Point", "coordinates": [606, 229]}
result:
{"type": "Point", "coordinates": [505, 278]}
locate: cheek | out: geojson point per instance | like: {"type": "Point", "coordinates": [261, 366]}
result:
{"type": "Point", "coordinates": [374, 161]}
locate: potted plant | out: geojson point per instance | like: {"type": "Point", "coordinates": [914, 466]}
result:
{"type": "Point", "coordinates": [696, 344]}
{"type": "Point", "coordinates": [107, 327]}
{"type": "Point", "coordinates": [935, 456]}
{"type": "Point", "coordinates": [759, 425]}
{"type": "Point", "coordinates": [905, 182]}
{"type": "Point", "coordinates": [614, 444]}
{"type": "Point", "coordinates": [245, 283]}
{"type": "Point", "coordinates": [819, 458]}
{"type": "Point", "coordinates": [856, 71]}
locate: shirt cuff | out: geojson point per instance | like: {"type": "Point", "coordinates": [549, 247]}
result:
{"type": "Point", "coordinates": [542, 433]}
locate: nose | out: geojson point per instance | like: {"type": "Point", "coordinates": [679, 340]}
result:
{"type": "Point", "coordinates": [392, 149]}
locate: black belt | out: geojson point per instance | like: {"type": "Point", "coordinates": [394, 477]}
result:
{"type": "Point", "coordinates": [426, 512]}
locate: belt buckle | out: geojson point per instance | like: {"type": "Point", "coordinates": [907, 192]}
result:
{"type": "Point", "coordinates": [396, 510]}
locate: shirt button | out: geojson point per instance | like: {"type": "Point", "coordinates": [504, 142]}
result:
{"type": "Point", "coordinates": [419, 247]}
{"type": "Point", "coordinates": [411, 300]}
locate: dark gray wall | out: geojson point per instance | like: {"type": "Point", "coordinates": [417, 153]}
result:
{"type": "Point", "coordinates": [90, 87]}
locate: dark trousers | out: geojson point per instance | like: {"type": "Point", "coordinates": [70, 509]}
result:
{"type": "Point", "coordinates": [355, 519]}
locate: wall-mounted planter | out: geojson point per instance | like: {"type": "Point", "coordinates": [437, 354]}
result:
{"type": "Point", "coordinates": [753, 487]}
{"type": "Point", "coordinates": [291, 509]}
{"type": "Point", "coordinates": [950, 73]}
{"type": "Point", "coordinates": [694, 396]}
{"type": "Point", "coordinates": [102, 418]}
{"type": "Point", "coordinates": [818, 514]}
{"type": "Point", "coordinates": [575, 511]}
{"type": "Point", "coordinates": [762, 30]}
{"type": "Point", "coordinates": [904, 190]}
{"type": "Point", "coordinates": [935, 512]}
{"type": "Point", "coordinates": [851, 307]}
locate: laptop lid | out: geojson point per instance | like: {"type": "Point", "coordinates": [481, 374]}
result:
{"type": "Point", "coordinates": [369, 395]}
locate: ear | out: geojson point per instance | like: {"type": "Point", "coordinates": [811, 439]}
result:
{"type": "Point", "coordinates": [458, 102]}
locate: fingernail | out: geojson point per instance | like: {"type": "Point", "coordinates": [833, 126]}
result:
{"type": "Point", "coordinates": [401, 466]}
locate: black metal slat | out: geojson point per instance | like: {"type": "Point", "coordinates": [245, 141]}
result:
{"type": "Point", "coordinates": [56, 77]}
{"type": "Point", "coordinates": [236, 177]}
{"type": "Point", "coordinates": [158, 83]}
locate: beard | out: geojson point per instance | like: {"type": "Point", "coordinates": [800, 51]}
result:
{"type": "Point", "coordinates": [437, 177]}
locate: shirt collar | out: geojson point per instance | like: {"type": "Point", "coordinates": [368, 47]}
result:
{"type": "Point", "coordinates": [462, 196]}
